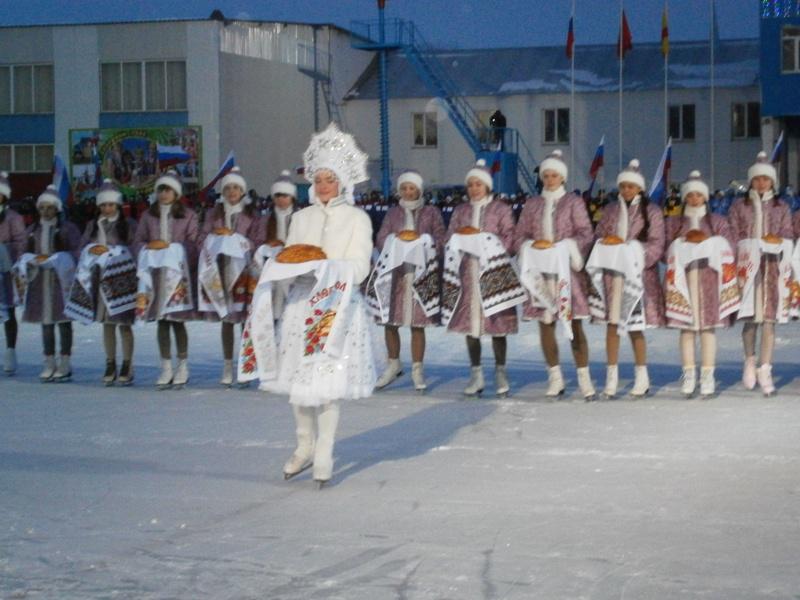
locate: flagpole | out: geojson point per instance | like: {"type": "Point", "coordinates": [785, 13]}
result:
{"type": "Point", "coordinates": [621, 51]}
{"type": "Point", "coordinates": [711, 153]}
{"type": "Point", "coordinates": [666, 73]}
{"type": "Point", "coordinates": [572, 100]}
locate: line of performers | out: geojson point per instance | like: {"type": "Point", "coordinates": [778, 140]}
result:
{"type": "Point", "coordinates": [307, 286]}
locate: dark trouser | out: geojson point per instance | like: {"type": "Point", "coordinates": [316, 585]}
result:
{"type": "Point", "coordinates": [181, 339]}
{"type": "Point", "coordinates": [49, 338]}
{"type": "Point", "coordinates": [11, 329]}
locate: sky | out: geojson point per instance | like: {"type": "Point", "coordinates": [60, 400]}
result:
{"type": "Point", "coordinates": [444, 23]}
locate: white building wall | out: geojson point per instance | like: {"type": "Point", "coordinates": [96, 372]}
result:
{"type": "Point", "coordinates": [76, 79]}
{"type": "Point", "coordinates": [203, 89]}
{"type": "Point", "coordinates": [595, 115]}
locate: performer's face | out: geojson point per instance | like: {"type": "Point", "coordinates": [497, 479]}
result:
{"type": "Point", "coordinates": [761, 183]}
{"type": "Point", "coordinates": [408, 191]}
{"type": "Point", "coordinates": [233, 194]}
{"type": "Point", "coordinates": [166, 195]}
{"type": "Point", "coordinates": [108, 209]}
{"type": "Point", "coordinates": [551, 180]}
{"type": "Point", "coordinates": [282, 201]}
{"type": "Point", "coordinates": [48, 211]}
{"type": "Point", "coordinates": [695, 199]}
{"type": "Point", "coordinates": [476, 189]}
{"type": "Point", "coordinates": [629, 190]}
{"type": "Point", "coordinates": [326, 185]}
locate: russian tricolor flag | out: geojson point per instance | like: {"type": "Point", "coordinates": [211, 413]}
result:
{"type": "Point", "coordinates": [570, 39]}
{"type": "Point", "coordinates": [777, 150]}
{"type": "Point", "coordinates": [171, 155]}
{"type": "Point", "coordinates": [597, 162]}
{"type": "Point", "coordinates": [61, 179]}
{"type": "Point", "coordinates": [227, 165]}
{"type": "Point", "coordinates": [659, 187]}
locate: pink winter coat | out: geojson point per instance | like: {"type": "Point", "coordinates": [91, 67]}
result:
{"type": "Point", "coordinates": [12, 235]}
{"type": "Point", "coordinates": [427, 219]}
{"type": "Point", "coordinates": [250, 225]}
{"type": "Point", "coordinates": [778, 221]}
{"type": "Point", "coordinates": [496, 218]}
{"type": "Point", "coordinates": [570, 220]}
{"type": "Point", "coordinates": [66, 238]}
{"type": "Point", "coordinates": [184, 230]}
{"type": "Point", "coordinates": [654, 247]}
{"type": "Point", "coordinates": [711, 224]}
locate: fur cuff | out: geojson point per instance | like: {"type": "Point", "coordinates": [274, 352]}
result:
{"type": "Point", "coordinates": [575, 256]}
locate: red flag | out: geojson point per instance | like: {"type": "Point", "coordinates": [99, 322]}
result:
{"type": "Point", "coordinates": [625, 39]}
{"type": "Point", "coordinates": [665, 33]}
{"type": "Point", "coordinates": [570, 40]}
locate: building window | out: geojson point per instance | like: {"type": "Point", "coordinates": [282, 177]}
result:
{"type": "Point", "coordinates": [26, 158]}
{"type": "Point", "coordinates": [143, 86]}
{"type": "Point", "coordinates": [425, 130]}
{"type": "Point", "coordinates": [746, 120]}
{"type": "Point", "coordinates": [681, 121]}
{"type": "Point", "coordinates": [26, 89]}
{"type": "Point", "coordinates": [556, 126]}
{"type": "Point", "coordinates": [790, 49]}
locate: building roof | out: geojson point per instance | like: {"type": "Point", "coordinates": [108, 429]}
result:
{"type": "Point", "coordinates": [546, 70]}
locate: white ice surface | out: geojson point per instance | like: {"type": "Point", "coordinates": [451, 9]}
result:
{"type": "Point", "coordinates": [134, 493]}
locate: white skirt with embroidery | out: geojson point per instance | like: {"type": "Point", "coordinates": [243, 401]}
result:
{"type": "Point", "coordinates": [321, 380]}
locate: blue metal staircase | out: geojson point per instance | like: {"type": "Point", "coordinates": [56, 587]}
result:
{"type": "Point", "coordinates": [404, 36]}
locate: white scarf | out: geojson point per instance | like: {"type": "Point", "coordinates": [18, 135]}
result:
{"type": "Point", "coordinates": [47, 235]}
{"type": "Point", "coordinates": [477, 206]}
{"type": "Point", "coordinates": [760, 224]}
{"type": "Point", "coordinates": [165, 212]}
{"type": "Point", "coordinates": [409, 206]}
{"type": "Point", "coordinates": [230, 211]}
{"type": "Point", "coordinates": [695, 214]}
{"type": "Point", "coordinates": [102, 237]}
{"type": "Point", "coordinates": [551, 198]}
{"type": "Point", "coordinates": [332, 204]}
{"type": "Point", "coordinates": [623, 218]}
{"type": "Point", "coordinates": [281, 220]}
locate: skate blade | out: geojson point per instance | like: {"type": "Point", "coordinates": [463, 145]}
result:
{"type": "Point", "coordinates": [306, 467]}
{"type": "Point", "coordinates": [320, 483]}
{"type": "Point", "coordinates": [64, 379]}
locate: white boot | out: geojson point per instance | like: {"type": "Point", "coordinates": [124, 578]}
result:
{"type": "Point", "coordinates": [227, 373]}
{"type": "Point", "coordinates": [64, 370]}
{"type": "Point", "coordinates": [688, 381]}
{"type": "Point", "coordinates": [641, 381]}
{"type": "Point", "coordinates": [165, 377]}
{"type": "Point", "coordinates": [612, 381]}
{"type": "Point", "coordinates": [393, 370]}
{"type": "Point", "coordinates": [765, 380]}
{"type": "Point", "coordinates": [749, 373]}
{"type": "Point", "coordinates": [707, 382]}
{"type": "Point", "coordinates": [181, 377]}
{"type": "Point", "coordinates": [302, 458]}
{"type": "Point", "coordinates": [49, 369]}
{"type": "Point", "coordinates": [327, 421]}
{"type": "Point", "coordinates": [476, 383]}
{"type": "Point", "coordinates": [501, 380]}
{"type": "Point", "coordinates": [10, 364]}
{"type": "Point", "coordinates": [585, 384]}
{"type": "Point", "coordinates": [555, 382]}
{"type": "Point", "coordinates": [418, 377]}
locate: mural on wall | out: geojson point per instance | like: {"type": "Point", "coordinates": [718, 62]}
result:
{"type": "Point", "coordinates": [133, 158]}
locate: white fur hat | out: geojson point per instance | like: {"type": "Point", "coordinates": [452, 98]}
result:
{"type": "Point", "coordinates": [762, 166]}
{"type": "Point", "coordinates": [554, 162]}
{"type": "Point", "coordinates": [284, 185]}
{"type": "Point", "coordinates": [171, 180]}
{"type": "Point", "coordinates": [5, 186]}
{"type": "Point", "coordinates": [108, 194]}
{"type": "Point", "coordinates": [481, 172]}
{"type": "Point", "coordinates": [632, 174]}
{"type": "Point", "coordinates": [234, 177]}
{"type": "Point", "coordinates": [50, 196]}
{"type": "Point", "coordinates": [694, 184]}
{"type": "Point", "coordinates": [412, 177]}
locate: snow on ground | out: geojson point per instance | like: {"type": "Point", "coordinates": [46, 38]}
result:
{"type": "Point", "coordinates": [134, 493]}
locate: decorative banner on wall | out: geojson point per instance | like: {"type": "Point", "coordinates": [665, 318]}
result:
{"type": "Point", "coordinates": [133, 158]}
